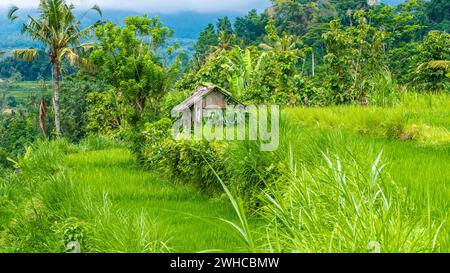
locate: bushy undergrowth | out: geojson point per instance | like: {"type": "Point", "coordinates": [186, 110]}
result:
{"type": "Point", "coordinates": [186, 160]}
{"type": "Point", "coordinates": [242, 166]}
{"type": "Point", "coordinates": [248, 171]}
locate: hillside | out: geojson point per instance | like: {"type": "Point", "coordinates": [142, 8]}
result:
{"type": "Point", "coordinates": [309, 128]}
{"type": "Point", "coordinates": [97, 194]}
{"type": "Point", "coordinates": [187, 25]}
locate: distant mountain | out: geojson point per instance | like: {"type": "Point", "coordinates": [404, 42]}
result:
{"type": "Point", "coordinates": [187, 25]}
{"type": "Point", "coordinates": [392, 2]}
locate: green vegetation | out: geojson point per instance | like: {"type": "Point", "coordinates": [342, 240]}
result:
{"type": "Point", "coordinates": [423, 119]}
{"type": "Point", "coordinates": [25, 91]}
{"type": "Point", "coordinates": [364, 135]}
{"type": "Point", "coordinates": [103, 201]}
{"type": "Point", "coordinates": [388, 191]}
{"type": "Point", "coordinates": [353, 192]}
{"type": "Point", "coordinates": [9, 66]}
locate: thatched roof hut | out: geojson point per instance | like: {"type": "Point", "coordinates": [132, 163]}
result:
{"type": "Point", "coordinates": [207, 98]}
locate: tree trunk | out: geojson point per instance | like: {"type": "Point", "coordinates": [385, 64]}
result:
{"type": "Point", "coordinates": [56, 91]}
{"type": "Point", "coordinates": [43, 117]}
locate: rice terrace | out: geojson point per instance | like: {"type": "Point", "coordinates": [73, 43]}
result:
{"type": "Point", "coordinates": [249, 127]}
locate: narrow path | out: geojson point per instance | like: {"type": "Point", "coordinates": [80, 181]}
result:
{"type": "Point", "coordinates": [188, 218]}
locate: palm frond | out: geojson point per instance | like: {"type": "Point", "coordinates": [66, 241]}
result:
{"type": "Point", "coordinates": [98, 10]}
{"type": "Point", "coordinates": [444, 65]}
{"type": "Point", "coordinates": [265, 47]}
{"type": "Point", "coordinates": [70, 55]}
{"type": "Point", "coordinates": [12, 13]}
{"type": "Point", "coordinates": [86, 46]}
{"type": "Point", "coordinates": [436, 65]}
{"type": "Point", "coordinates": [78, 35]}
{"type": "Point", "coordinates": [75, 58]}
{"type": "Point", "coordinates": [26, 54]}
{"type": "Point", "coordinates": [37, 30]}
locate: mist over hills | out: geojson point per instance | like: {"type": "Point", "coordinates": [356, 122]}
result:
{"type": "Point", "coordinates": [187, 25]}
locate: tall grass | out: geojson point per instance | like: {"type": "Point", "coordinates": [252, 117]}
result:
{"type": "Point", "coordinates": [385, 90]}
{"type": "Point", "coordinates": [187, 218]}
{"type": "Point", "coordinates": [327, 189]}
{"type": "Point", "coordinates": [341, 207]}
{"type": "Point", "coordinates": [98, 142]}
{"type": "Point", "coordinates": [116, 231]}
{"type": "Point", "coordinates": [420, 118]}
{"type": "Point", "coordinates": [243, 228]}
{"type": "Point", "coordinates": [53, 213]}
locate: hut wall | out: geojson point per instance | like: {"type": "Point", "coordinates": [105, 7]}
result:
{"type": "Point", "coordinates": [214, 100]}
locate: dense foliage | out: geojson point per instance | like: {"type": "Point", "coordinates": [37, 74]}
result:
{"type": "Point", "coordinates": [130, 60]}
{"type": "Point", "coordinates": [327, 52]}
{"type": "Point", "coordinates": [61, 33]}
{"type": "Point", "coordinates": [296, 53]}
{"type": "Point", "coordinates": [29, 71]}
{"type": "Point", "coordinates": [348, 74]}
{"type": "Point", "coordinates": [16, 132]}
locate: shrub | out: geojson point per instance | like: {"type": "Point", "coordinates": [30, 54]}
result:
{"type": "Point", "coordinates": [251, 171]}
{"type": "Point", "coordinates": [188, 161]}
{"type": "Point", "coordinates": [104, 113]}
{"type": "Point", "coordinates": [147, 144]}
{"type": "Point", "coordinates": [171, 100]}
{"type": "Point", "coordinates": [16, 132]}
{"type": "Point", "coordinates": [241, 165]}
{"type": "Point", "coordinates": [42, 159]}
{"type": "Point", "coordinates": [4, 155]}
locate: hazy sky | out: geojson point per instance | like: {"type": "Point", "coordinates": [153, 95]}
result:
{"type": "Point", "coordinates": [157, 5]}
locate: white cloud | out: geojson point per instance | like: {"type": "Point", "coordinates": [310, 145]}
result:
{"type": "Point", "coordinates": [157, 5]}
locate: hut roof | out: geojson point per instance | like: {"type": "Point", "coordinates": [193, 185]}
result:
{"type": "Point", "coordinates": [200, 93]}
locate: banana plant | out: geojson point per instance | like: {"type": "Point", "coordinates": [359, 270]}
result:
{"type": "Point", "coordinates": [242, 67]}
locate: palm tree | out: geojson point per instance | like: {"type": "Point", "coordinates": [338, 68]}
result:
{"type": "Point", "coordinates": [284, 43]}
{"type": "Point", "coordinates": [60, 32]}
